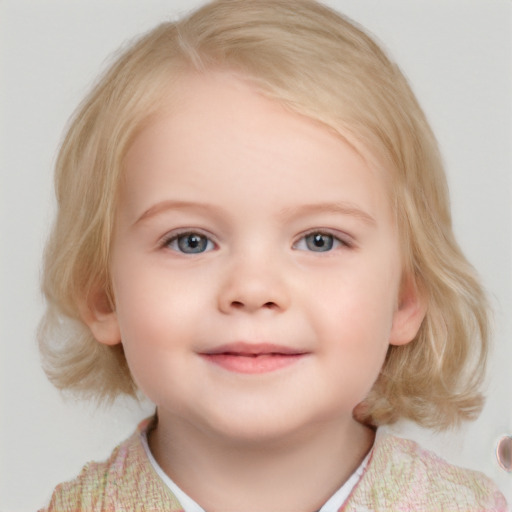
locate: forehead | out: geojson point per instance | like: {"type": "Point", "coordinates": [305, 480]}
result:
{"type": "Point", "coordinates": [214, 132]}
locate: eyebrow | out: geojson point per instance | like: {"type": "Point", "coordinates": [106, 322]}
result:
{"type": "Point", "coordinates": [171, 204]}
{"type": "Point", "coordinates": [339, 208]}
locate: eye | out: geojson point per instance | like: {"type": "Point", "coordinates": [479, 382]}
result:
{"type": "Point", "coordinates": [318, 241]}
{"type": "Point", "coordinates": [189, 243]}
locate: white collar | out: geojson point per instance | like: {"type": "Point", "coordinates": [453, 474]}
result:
{"type": "Point", "coordinates": [333, 504]}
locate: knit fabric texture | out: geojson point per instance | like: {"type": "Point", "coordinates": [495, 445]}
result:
{"type": "Point", "coordinates": [400, 476]}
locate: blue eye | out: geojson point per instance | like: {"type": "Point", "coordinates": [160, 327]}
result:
{"type": "Point", "coordinates": [318, 241]}
{"type": "Point", "coordinates": [190, 243]}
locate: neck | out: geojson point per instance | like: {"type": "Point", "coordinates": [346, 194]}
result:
{"type": "Point", "coordinates": [299, 471]}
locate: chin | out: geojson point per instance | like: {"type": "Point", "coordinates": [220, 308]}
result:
{"type": "Point", "coordinates": [262, 427]}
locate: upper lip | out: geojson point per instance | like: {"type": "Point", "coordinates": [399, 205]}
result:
{"type": "Point", "coordinates": [246, 348]}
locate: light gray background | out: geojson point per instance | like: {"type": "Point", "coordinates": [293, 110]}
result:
{"type": "Point", "coordinates": [457, 54]}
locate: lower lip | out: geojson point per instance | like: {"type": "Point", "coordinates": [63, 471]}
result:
{"type": "Point", "coordinates": [261, 363]}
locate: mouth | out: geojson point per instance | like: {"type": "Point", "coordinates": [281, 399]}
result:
{"type": "Point", "coordinates": [242, 357]}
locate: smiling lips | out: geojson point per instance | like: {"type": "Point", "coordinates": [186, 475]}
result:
{"type": "Point", "coordinates": [253, 358]}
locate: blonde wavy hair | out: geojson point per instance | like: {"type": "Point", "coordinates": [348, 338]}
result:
{"type": "Point", "coordinates": [319, 64]}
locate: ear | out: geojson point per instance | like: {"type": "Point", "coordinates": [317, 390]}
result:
{"type": "Point", "coordinates": [409, 314]}
{"type": "Point", "coordinates": [99, 315]}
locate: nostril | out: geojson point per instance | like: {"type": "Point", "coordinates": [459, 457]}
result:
{"type": "Point", "coordinates": [236, 304]}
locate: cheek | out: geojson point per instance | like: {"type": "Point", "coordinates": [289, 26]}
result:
{"type": "Point", "coordinates": [155, 317]}
{"type": "Point", "coordinates": [363, 304]}
{"type": "Point", "coordinates": [152, 302]}
{"type": "Point", "coordinates": [355, 319]}
{"type": "Point", "coordinates": [153, 338]}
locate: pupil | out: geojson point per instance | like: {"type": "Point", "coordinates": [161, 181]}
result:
{"type": "Point", "coordinates": [193, 241]}
{"type": "Point", "coordinates": [319, 240]}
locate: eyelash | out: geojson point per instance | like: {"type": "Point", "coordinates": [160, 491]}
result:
{"type": "Point", "coordinates": [172, 241]}
{"type": "Point", "coordinates": [204, 243]}
{"type": "Point", "coordinates": [334, 242]}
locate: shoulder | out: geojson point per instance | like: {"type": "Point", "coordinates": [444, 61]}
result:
{"type": "Point", "coordinates": [403, 476]}
{"type": "Point", "coordinates": [125, 481]}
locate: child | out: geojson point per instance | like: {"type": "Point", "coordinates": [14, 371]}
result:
{"type": "Point", "coordinates": [254, 231]}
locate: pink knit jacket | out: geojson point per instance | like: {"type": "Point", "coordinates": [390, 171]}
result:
{"type": "Point", "coordinates": [400, 476]}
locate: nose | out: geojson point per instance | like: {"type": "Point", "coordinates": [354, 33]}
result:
{"type": "Point", "coordinates": [254, 284]}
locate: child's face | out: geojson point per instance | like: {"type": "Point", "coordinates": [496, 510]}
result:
{"type": "Point", "coordinates": [256, 265]}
